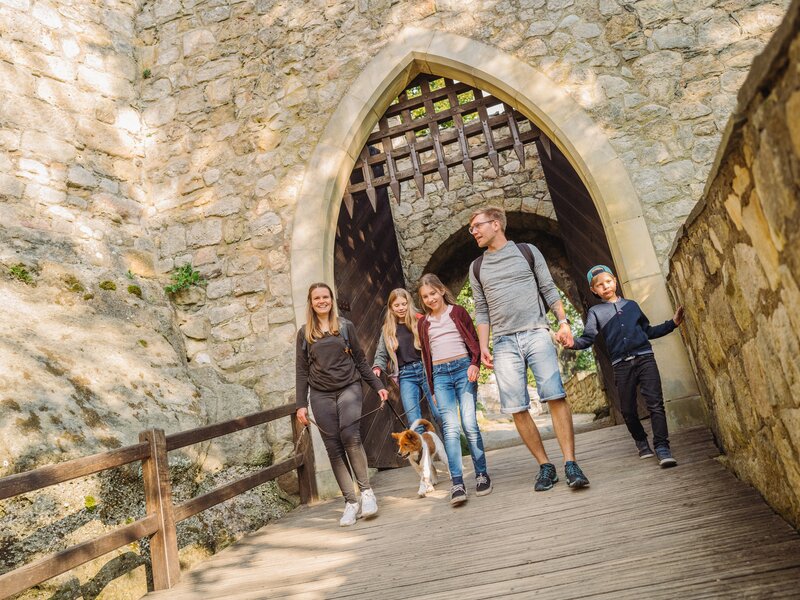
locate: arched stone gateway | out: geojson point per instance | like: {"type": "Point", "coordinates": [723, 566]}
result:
{"type": "Point", "coordinates": [417, 50]}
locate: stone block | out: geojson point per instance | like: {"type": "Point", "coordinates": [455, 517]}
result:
{"type": "Point", "coordinates": [248, 284]}
{"type": "Point", "coordinates": [78, 176]}
{"type": "Point", "coordinates": [204, 233]}
{"type": "Point", "coordinates": [756, 225]}
{"type": "Point", "coordinates": [219, 288]}
{"type": "Point", "coordinates": [235, 329]}
{"type": "Point", "coordinates": [220, 314]}
{"type": "Point", "coordinates": [107, 139]}
{"type": "Point", "coordinates": [216, 68]}
{"type": "Point", "coordinates": [161, 112]}
{"type": "Point", "coordinates": [243, 263]}
{"type": "Point", "coordinates": [173, 241]}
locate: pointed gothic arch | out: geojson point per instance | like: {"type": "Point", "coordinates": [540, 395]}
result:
{"type": "Point", "coordinates": [561, 119]}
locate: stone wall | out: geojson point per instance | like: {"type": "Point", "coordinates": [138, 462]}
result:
{"type": "Point", "coordinates": [240, 93]}
{"type": "Point", "coordinates": [586, 395]}
{"type": "Point", "coordinates": [736, 268]}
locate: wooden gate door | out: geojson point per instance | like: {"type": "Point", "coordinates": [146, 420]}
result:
{"type": "Point", "coordinates": [366, 268]}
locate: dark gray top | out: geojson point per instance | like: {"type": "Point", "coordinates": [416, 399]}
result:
{"type": "Point", "coordinates": [327, 365]}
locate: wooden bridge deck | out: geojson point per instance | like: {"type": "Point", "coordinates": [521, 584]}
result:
{"type": "Point", "coordinates": [638, 532]}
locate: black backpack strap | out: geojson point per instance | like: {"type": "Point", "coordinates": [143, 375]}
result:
{"type": "Point", "coordinates": [343, 325]}
{"type": "Point", "coordinates": [476, 268]}
{"type": "Point", "coordinates": [526, 251]}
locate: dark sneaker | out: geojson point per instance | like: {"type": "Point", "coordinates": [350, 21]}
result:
{"type": "Point", "coordinates": [458, 494]}
{"type": "Point", "coordinates": [644, 449]}
{"type": "Point", "coordinates": [483, 485]}
{"type": "Point", "coordinates": [575, 477]}
{"type": "Point", "coordinates": [547, 477]}
{"type": "Point", "coordinates": [665, 459]}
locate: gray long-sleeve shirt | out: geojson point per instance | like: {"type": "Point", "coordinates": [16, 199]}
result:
{"type": "Point", "coordinates": [506, 296]}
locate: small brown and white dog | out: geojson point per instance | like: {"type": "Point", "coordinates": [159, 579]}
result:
{"type": "Point", "coordinates": [421, 450]}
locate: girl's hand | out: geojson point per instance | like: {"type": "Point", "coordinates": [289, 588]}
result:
{"type": "Point", "coordinates": [384, 394]}
{"type": "Point", "coordinates": [302, 415]}
{"type": "Point", "coordinates": [377, 371]}
{"type": "Point", "coordinates": [472, 373]}
{"type": "Point", "coordinates": [679, 315]}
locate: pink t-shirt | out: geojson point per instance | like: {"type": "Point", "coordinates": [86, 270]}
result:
{"type": "Point", "coordinates": [445, 339]}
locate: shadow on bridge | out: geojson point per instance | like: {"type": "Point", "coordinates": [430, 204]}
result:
{"type": "Point", "coordinates": [638, 531]}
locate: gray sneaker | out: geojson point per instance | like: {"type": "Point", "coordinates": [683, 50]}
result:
{"type": "Point", "coordinates": [665, 459]}
{"type": "Point", "coordinates": [644, 449]}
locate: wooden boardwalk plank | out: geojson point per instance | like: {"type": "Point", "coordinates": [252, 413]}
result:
{"type": "Point", "coordinates": [638, 532]}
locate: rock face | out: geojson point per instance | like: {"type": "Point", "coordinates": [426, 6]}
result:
{"type": "Point", "coordinates": [137, 137]}
{"type": "Point", "coordinates": [736, 268]}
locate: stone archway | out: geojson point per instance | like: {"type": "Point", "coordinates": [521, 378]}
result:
{"type": "Point", "coordinates": [524, 88]}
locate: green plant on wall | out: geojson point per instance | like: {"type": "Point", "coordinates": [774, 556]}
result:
{"type": "Point", "coordinates": [183, 278]}
{"type": "Point", "coordinates": [20, 273]}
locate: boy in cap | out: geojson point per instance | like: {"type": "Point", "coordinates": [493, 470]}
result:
{"type": "Point", "coordinates": [627, 333]}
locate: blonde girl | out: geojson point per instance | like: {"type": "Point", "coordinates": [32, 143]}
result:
{"type": "Point", "coordinates": [330, 365]}
{"type": "Point", "coordinates": [399, 355]}
{"type": "Point", "coordinates": [451, 355]}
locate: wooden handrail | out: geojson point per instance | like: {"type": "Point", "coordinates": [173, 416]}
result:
{"type": "Point", "coordinates": [234, 488]}
{"type": "Point", "coordinates": [162, 515]}
{"type": "Point", "coordinates": [22, 483]}
{"type": "Point", "coordinates": [21, 579]}
{"type": "Point", "coordinates": [203, 434]}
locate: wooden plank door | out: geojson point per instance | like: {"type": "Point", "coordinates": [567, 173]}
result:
{"type": "Point", "coordinates": [366, 268]}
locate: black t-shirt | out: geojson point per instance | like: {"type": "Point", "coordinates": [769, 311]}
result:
{"type": "Point", "coordinates": [406, 352]}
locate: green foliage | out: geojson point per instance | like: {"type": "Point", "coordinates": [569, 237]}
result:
{"type": "Point", "coordinates": [143, 343]}
{"type": "Point", "coordinates": [147, 73]}
{"type": "Point", "coordinates": [74, 284]}
{"type": "Point", "coordinates": [108, 285]}
{"type": "Point", "coordinates": [135, 290]}
{"type": "Point", "coordinates": [90, 503]}
{"type": "Point", "coordinates": [129, 274]}
{"type": "Point", "coordinates": [464, 446]}
{"type": "Point", "coordinates": [183, 278]}
{"type": "Point", "coordinates": [20, 273]}
{"type": "Point", "coordinates": [440, 106]}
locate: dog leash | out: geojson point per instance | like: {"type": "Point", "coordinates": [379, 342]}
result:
{"type": "Point", "coordinates": [311, 419]}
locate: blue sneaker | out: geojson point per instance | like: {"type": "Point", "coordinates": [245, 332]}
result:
{"type": "Point", "coordinates": [664, 457]}
{"type": "Point", "coordinates": [547, 477]}
{"type": "Point", "coordinates": [575, 477]}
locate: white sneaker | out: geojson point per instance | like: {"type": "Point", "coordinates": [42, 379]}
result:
{"type": "Point", "coordinates": [369, 505]}
{"type": "Point", "coordinates": [349, 516]}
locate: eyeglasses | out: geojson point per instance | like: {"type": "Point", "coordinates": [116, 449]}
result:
{"type": "Point", "coordinates": [474, 227]}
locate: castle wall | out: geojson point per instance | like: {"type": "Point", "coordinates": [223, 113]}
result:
{"type": "Point", "coordinates": [736, 268]}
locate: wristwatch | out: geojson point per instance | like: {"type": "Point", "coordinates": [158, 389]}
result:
{"type": "Point", "coordinates": [562, 321]}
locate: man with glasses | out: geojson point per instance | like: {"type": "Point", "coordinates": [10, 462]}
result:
{"type": "Point", "coordinates": [507, 282]}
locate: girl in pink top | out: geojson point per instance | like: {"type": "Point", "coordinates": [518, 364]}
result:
{"type": "Point", "coordinates": [451, 355]}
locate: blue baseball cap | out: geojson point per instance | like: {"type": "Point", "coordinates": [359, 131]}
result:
{"type": "Point", "coordinates": [596, 270]}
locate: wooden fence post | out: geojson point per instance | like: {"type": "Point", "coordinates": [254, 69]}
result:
{"type": "Point", "coordinates": [158, 500]}
{"type": "Point", "coordinates": [306, 476]}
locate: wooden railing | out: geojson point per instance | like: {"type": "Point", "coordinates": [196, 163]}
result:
{"type": "Point", "coordinates": [162, 514]}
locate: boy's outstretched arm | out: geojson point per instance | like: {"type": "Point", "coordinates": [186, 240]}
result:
{"type": "Point", "coordinates": [590, 330]}
{"type": "Point", "coordinates": [657, 331]}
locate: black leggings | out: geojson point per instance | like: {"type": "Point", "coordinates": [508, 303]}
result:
{"type": "Point", "coordinates": [337, 413]}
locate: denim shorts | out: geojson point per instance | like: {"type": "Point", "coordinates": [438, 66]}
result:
{"type": "Point", "coordinates": [513, 355]}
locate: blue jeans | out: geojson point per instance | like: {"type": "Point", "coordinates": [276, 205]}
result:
{"type": "Point", "coordinates": [513, 355]}
{"type": "Point", "coordinates": [454, 394]}
{"type": "Point", "coordinates": [413, 388]}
